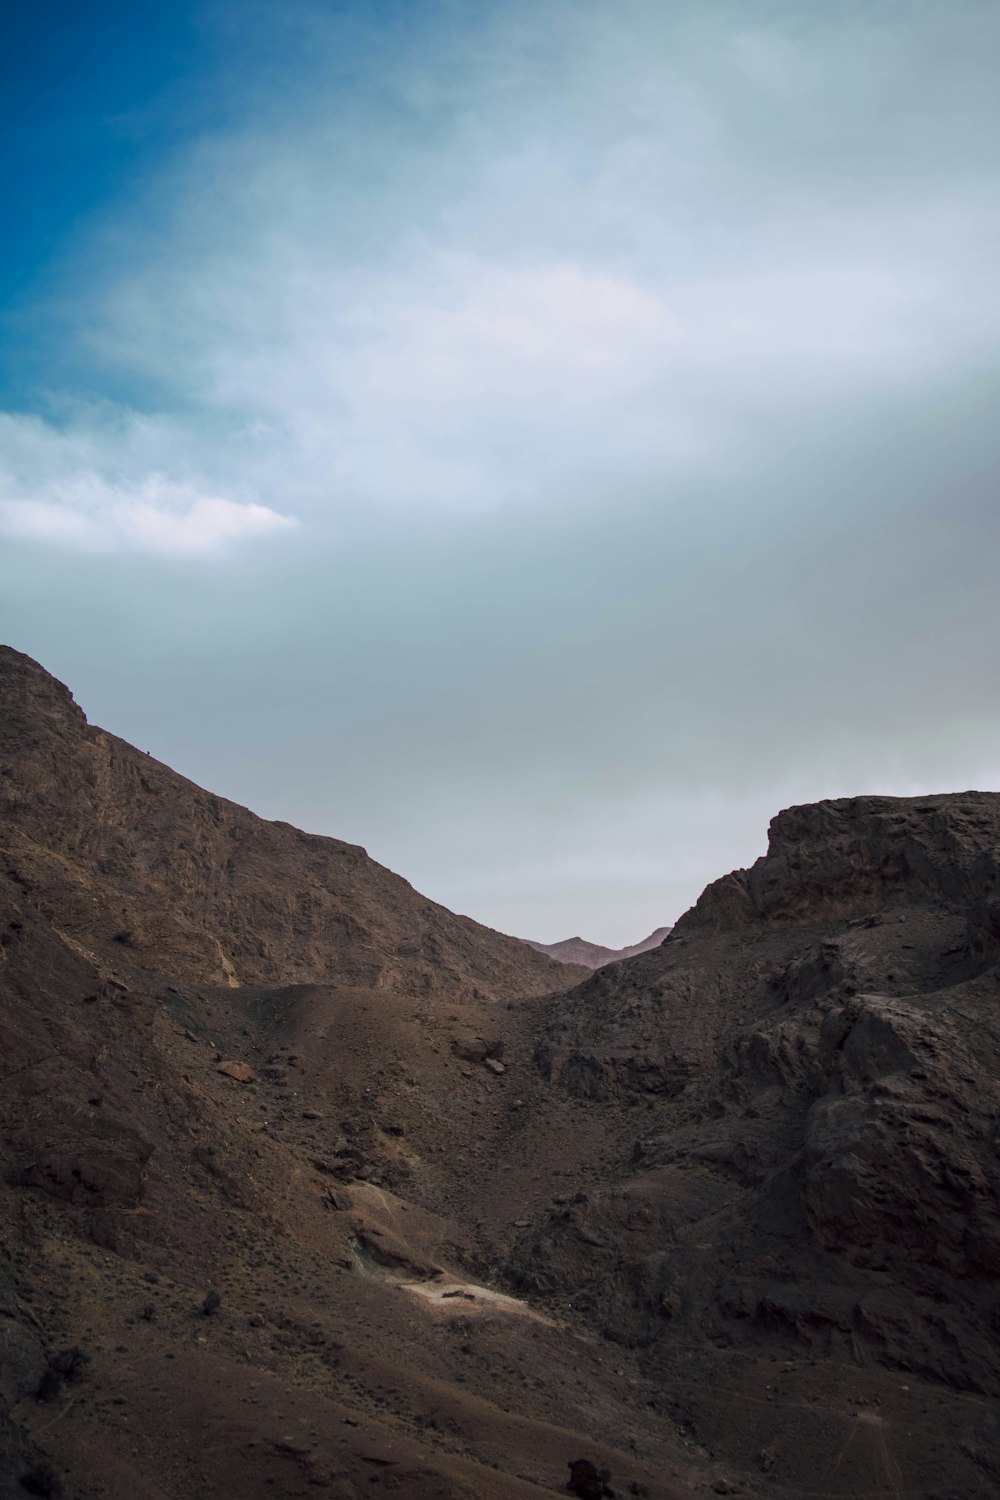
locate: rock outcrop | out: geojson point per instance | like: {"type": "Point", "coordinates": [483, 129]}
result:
{"type": "Point", "coordinates": [815, 1059]}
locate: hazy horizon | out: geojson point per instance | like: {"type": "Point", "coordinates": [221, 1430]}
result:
{"type": "Point", "coordinates": [535, 442]}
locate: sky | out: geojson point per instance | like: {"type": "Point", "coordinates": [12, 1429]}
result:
{"type": "Point", "coordinates": [535, 441]}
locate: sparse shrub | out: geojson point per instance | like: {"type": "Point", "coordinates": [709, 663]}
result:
{"type": "Point", "coordinates": [211, 1304]}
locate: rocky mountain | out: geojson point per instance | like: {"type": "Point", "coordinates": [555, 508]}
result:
{"type": "Point", "coordinates": [129, 855]}
{"type": "Point", "coordinates": [577, 950]}
{"type": "Point", "coordinates": [813, 1059]}
{"type": "Point", "coordinates": [308, 1186]}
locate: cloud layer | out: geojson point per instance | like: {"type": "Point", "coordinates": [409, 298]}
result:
{"type": "Point", "coordinates": [587, 414]}
{"type": "Point", "coordinates": [603, 247]}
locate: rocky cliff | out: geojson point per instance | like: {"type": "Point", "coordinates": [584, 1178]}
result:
{"type": "Point", "coordinates": [813, 1062]}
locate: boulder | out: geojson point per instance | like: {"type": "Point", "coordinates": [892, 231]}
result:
{"type": "Point", "coordinates": [241, 1071]}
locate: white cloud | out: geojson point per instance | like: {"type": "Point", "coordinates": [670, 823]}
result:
{"type": "Point", "coordinates": [441, 373]}
{"type": "Point", "coordinates": [462, 383]}
{"type": "Point", "coordinates": [50, 493]}
{"type": "Point", "coordinates": [637, 355]}
{"type": "Point", "coordinates": [608, 291]}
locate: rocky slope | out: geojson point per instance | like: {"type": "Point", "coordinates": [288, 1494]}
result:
{"type": "Point", "coordinates": [125, 853]}
{"type": "Point", "coordinates": [289, 1208]}
{"type": "Point", "coordinates": [814, 1062]}
{"type": "Point", "coordinates": [247, 1238]}
{"type": "Point", "coordinates": [577, 950]}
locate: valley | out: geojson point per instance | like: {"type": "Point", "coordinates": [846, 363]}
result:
{"type": "Point", "coordinates": [311, 1187]}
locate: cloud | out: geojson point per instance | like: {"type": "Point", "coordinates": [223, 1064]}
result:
{"type": "Point", "coordinates": [91, 516]}
{"type": "Point", "coordinates": [575, 254]}
{"type": "Point", "coordinates": [628, 372]}
{"type": "Point", "coordinates": [50, 492]}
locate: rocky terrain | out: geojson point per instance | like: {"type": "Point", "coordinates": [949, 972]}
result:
{"type": "Point", "coordinates": [126, 854]}
{"type": "Point", "coordinates": [310, 1187]}
{"type": "Point", "coordinates": [577, 950]}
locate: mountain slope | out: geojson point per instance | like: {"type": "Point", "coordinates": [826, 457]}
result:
{"type": "Point", "coordinates": [313, 1150]}
{"type": "Point", "coordinates": [721, 1218]}
{"type": "Point", "coordinates": [350, 1340]}
{"type": "Point", "coordinates": [128, 853]}
{"type": "Point", "coordinates": [814, 1062]}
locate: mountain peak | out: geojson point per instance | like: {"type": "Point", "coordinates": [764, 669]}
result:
{"type": "Point", "coordinates": [577, 950]}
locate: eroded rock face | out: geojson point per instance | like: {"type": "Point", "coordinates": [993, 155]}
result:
{"type": "Point", "coordinates": [858, 854]}
{"type": "Point", "coordinates": [815, 1060]}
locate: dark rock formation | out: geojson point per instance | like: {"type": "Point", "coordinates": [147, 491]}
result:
{"type": "Point", "coordinates": [817, 1050]}
{"type": "Point", "coordinates": [748, 1180]}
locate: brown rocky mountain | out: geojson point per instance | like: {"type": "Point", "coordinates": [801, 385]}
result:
{"type": "Point", "coordinates": [813, 1194]}
{"type": "Point", "coordinates": [289, 1209]}
{"type": "Point", "coordinates": [129, 854]}
{"type": "Point", "coordinates": [578, 951]}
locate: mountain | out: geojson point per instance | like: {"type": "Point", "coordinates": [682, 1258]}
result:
{"type": "Point", "coordinates": [132, 856]}
{"type": "Point", "coordinates": [810, 1216]}
{"type": "Point", "coordinates": [578, 951]}
{"type": "Point", "coordinates": [308, 1186]}
{"type": "Point", "coordinates": [260, 1157]}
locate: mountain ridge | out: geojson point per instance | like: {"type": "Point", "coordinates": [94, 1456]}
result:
{"type": "Point", "coordinates": [88, 819]}
{"type": "Point", "coordinates": [578, 950]}
{"type": "Point", "coordinates": [348, 1194]}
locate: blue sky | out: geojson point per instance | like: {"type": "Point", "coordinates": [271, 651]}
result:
{"type": "Point", "coordinates": [94, 97]}
{"type": "Point", "coordinates": [535, 441]}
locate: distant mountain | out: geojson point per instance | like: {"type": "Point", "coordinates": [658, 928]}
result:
{"type": "Point", "coordinates": [576, 950]}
